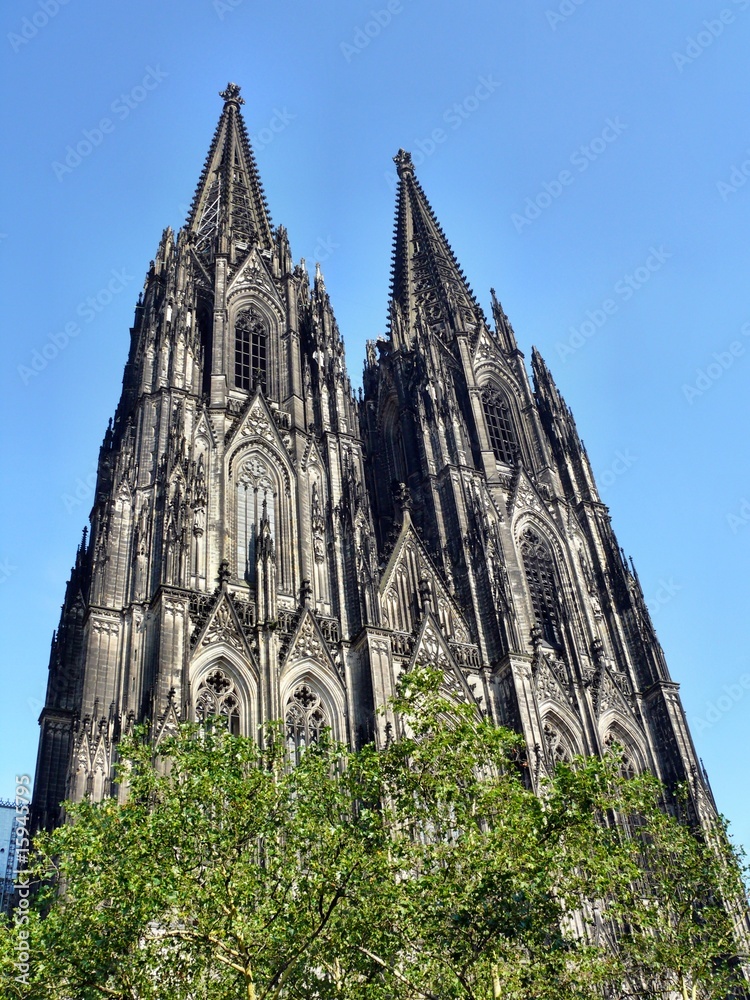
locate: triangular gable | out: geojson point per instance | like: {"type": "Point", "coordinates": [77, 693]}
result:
{"type": "Point", "coordinates": [431, 647]}
{"type": "Point", "coordinates": [168, 723]}
{"type": "Point", "coordinates": [485, 350]}
{"type": "Point", "coordinates": [254, 273]}
{"type": "Point", "coordinates": [101, 755]}
{"type": "Point", "coordinates": [257, 422]}
{"type": "Point", "coordinates": [524, 494]}
{"type": "Point", "coordinates": [609, 698]}
{"type": "Point", "coordinates": [125, 488]}
{"type": "Point", "coordinates": [549, 686]}
{"type": "Point", "coordinates": [409, 539]}
{"type": "Point", "coordinates": [308, 643]}
{"type": "Point", "coordinates": [83, 753]}
{"type": "Point", "coordinates": [312, 457]}
{"type": "Point", "coordinates": [223, 626]}
{"type": "Point", "coordinates": [204, 427]}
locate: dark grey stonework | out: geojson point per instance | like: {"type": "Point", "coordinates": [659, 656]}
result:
{"type": "Point", "coordinates": [264, 545]}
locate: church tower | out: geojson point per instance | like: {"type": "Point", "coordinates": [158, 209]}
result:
{"type": "Point", "coordinates": [493, 537]}
{"type": "Point", "coordinates": [264, 546]}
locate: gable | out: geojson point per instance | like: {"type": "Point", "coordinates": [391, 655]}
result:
{"type": "Point", "coordinates": [307, 643]}
{"type": "Point", "coordinates": [257, 423]}
{"type": "Point", "coordinates": [525, 495]}
{"type": "Point", "coordinates": [222, 626]}
{"type": "Point", "coordinates": [253, 275]}
{"type": "Point", "coordinates": [432, 649]}
{"type": "Point", "coordinates": [409, 568]}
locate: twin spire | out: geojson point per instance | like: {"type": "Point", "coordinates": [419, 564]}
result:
{"type": "Point", "coordinates": [428, 287]}
{"type": "Point", "coordinates": [229, 215]}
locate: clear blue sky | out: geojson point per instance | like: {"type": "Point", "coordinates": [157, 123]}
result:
{"type": "Point", "coordinates": [581, 159]}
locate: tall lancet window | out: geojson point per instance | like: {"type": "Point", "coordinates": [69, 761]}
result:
{"type": "Point", "coordinates": [305, 720]}
{"type": "Point", "coordinates": [250, 351]}
{"type": "Point", "coordinates": [500, 428]}
{"type": "Point", "coordinates": [217, 696]}
{"type": "Point", "coordinates": [256, 512]}
{"type": "Point", "coordinates": [540, 575]}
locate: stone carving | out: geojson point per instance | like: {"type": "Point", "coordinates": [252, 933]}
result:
{"type": "Point", "coordinates": [222, 628]}
{"type": "Point", "coordinates": [318, 525]}
{"type": "Point", "coordinates": [257, 424]}
{"type": "Point", "coordinates": [307, 644]}
{"type": "Point", "coordinates": [548, 687]}
{"type": "Point", "coordinates": [255, 474]}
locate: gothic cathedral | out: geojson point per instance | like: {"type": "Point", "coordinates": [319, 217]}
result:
{"type": "Point", "coordinates": [264, 545]}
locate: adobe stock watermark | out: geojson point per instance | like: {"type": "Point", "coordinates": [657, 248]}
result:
{"type": "Point", "coordinates": [278, 122]}
{"type": "Point", "coordinates": [665, 594]}
{"type": "Point", "coordinates": [224, 7]}
{"type": "Point", "coordinates": [122, 107]}
{"type": "Point", "coordinates": [623, 462]}
{"type": "Point", "coordinates": [738, 178]}
{"type": "Point", "coordinates": [21, 878]}
{"type": "Point", "coordinates": [710, 30]}
{"type": "Point", "coordinates": [563, 13]}
{"type": "Point", "coordinates": [87, 311]}
{"type": "Point", "coordinates": [739, 520]}
{"type": "Point", "coordinates": [31, 26]}
{"type": "Point", "coordinates": [365, 33]}
{"type": "Point", "coordinates": [706, 378]}
{"type": "Point", "coordinates": [7, 569]}
{"type": "Point", "coordinates": [732, 694]}
{"type": "Point", "coordinates": [581, 159]}
{"type": "Point", "coordinates": [453, 116]}
{"type": "Point", "coordinates": [324, 249]}
{"type": "Point", "coordinates": [81, 491]}
{"type": "Point", "coordinates": [623, 291]}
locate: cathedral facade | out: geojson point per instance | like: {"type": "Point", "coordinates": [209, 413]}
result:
{"type": "Point", "coordinates": [265, 545]}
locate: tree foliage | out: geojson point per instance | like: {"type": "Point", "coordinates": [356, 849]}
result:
{"type": "Point", "coordinates": [427, 869]}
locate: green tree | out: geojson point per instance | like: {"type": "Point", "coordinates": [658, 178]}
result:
{"type": "Point", "coordinates": [495, 901]}
{"type": "Point", "coordinates": [221, 876]}
{"type": "Point", "coordinates": [683, 922]}
{"type": "Point", "coordinates": [426, 870]}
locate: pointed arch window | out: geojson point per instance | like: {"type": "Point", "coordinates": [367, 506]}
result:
{"type": "Point", "coordinates": [305, 719]}
{"type": "Point", "coordinates": [250, 351]}
{"type": "Point", "coordinates": [256, 514]}
{"type": "Point", "coordinates": [217, 697]}
{"type": "Point", "coordinates": [628, 765]}
{"type": "Point", "coordinates": [502, 434]}
{"type": "Point", "coordinates": [543, 587]}
{"type": "Point", "coordinates": [558, 751]}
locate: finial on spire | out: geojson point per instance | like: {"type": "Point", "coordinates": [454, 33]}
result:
{"type": "Point", "coordinates": [232, 95]}
{"type": "Point", "coordinates": [319, 281]}
{"type": "Point", "coordinates": [403, 162]}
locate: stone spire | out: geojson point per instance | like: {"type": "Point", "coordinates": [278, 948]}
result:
{"type": "Point", "coordinates": [427, 283]}
{"type": "Point", "coordinates": [229, 213]}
